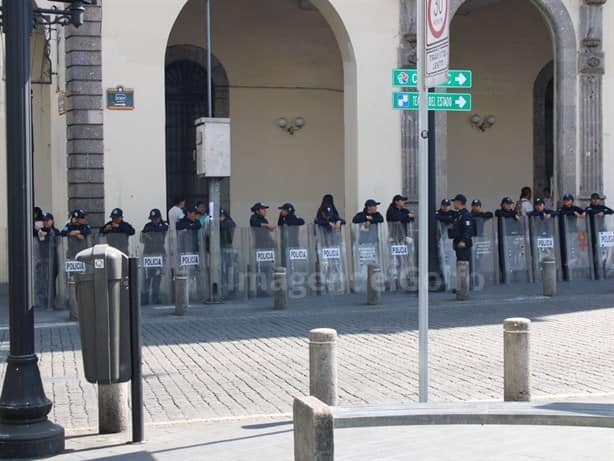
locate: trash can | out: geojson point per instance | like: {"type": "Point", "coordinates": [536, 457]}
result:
{"type": "Point", "coordinates": [103, 298]}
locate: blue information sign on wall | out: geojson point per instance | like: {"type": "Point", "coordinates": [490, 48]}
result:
{"type": "Point", "coordinates": [120, 98]}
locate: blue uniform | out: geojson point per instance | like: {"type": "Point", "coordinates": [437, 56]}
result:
{"type": "Point", "coordinates": [376, 218]}
{"type": "Point", "coordinates": [84, 229]}
{"type": "Point", "coordinates": [481, 214]}
{"type": "Point", "coordinates": [122, 228]}
{"type": "Point", "coordinates": [257, 221]}
{"type": "Point", "coordinates": [501, 213]}
{"type": "Point", "coordinates": [570, 210]}
{"type": "Point", "coordinates": [593, 210]}
{"type": "Point", "coordinates": [154, 244]}
{"type": "Point", "coordinates": [541, 214]}
{"type": "Point", "coordinates": [395, 214]}
{"type": "Point", "coordinates": [462, 231]}
{"type": "Point", "coordinates": [323, 221]}
{"type": "Point", "coordinates": [290, 220]}
{"type": "Point", "coordinates": [446, 217]}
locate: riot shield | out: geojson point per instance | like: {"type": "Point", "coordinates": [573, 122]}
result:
{"type": "Point", "coordinates": [69, 268]}
{"type": "Point", "coordinates": [367, 243]}
{"type": "Point", "coordinates": [544, 243]}
{"type": "Point", "coordinates": [298, 257]}
{"type": "Point", "coordinates": [155, 269]}
{"type": "Point", "coordinates": [332, 269]}
{"type": "Point", "coordinates": [190, 265]}
{"type": "Point", "coordinates": [602, 237]}
{"type": "Point", "coordinates": [576, 253]}
{"type": "Point", "coordinates": [235, 260]}
{"type": "Point", "coordinates": [263, 258]}
{"type": "Point", "coordinates": [447, 255]}
{"type": "Point", "coordinates": [484, 254]}
{"type": "Point", "coordinates": [400, 260]}
{"type": "Point", "coordinates": [514, 250]}
{"type": "Point", "coordinates": [116, 240]}
{"type": "Point", "coordinates": [45, 271]}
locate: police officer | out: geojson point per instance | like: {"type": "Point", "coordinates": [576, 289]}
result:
{"type": "Point", "coordinates": [153, 237]}
{"type": "Point", "coordinates": [397, 213]}
{"type": "Point", "coordinates": [261, 227]}
{"type": "Point", "coordinates": [287, 216]}
{"type": "Point", "coordinates": [227, 227]}
{"type": "Point", "coordinates": [369, 215]}
{"type": "Point", "coordinates": [476, 210]}
{"type": "Point", "coordinates": [47, 262]}
{"type": "Point", "coordinates": [328, 219]}
{"type": "Point", "coordinates": [462, 229]}
{"type": "Point", "coordinates": [187, 231]}
{"type": "Point", "coordinates": [540, 210]}
{"type": "Point", "coordinates": [117, 225]}
{"type": "Point", "coordinates": [596, 208]}
{"type": "Point", "coordinates": [445, 214]}
{"type": "Point", "coordinates": [507, 209]}
{"type": "Point", "coordinates": [569, 209]}
{"type": "Point", "coordinates": [76, 230]}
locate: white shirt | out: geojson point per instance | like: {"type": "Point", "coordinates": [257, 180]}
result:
{"type": "Point", "coordinates": [525, 207]}
{"type": "Point", "coordinates": [174, 215]}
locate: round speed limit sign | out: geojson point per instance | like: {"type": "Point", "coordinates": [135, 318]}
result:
{"type": "Point", "coordinates": [437, 13]}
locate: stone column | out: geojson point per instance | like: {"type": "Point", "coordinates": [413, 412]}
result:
{"type": "Point", "coordinates": [113, 410]}
{"type": "Point", "coordinates": [323, 365]}
{"type": "Point", "coordinates": [84, 118]}
{"type": "Point", "coordinates": [516, 365]}
{"type": "Point", "coordinates": [591, 67]}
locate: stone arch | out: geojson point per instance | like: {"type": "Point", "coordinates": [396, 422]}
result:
{"type": "Point", "coordinates": [542, 118]}
{"type": "Point", "coordinates": [565, 90]}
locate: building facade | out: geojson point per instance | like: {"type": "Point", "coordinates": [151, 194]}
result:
{"type": "Point", "coordinates": [540, 67]}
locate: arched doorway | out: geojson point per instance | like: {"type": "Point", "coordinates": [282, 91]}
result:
{"type": "Point", "coordinates": [186, 101]}
{"type": "Point", "coordinates": [543, 129]}
{"type": "Point", "coordinates": [495, 162]}
{"type": "Point", "coordinates": [272, 75]}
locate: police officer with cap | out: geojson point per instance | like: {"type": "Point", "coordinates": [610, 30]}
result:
{"type": "Point", "coordinates": [369, 215]}
{"type": "Point", "coordinates": [227, 227]}
{"type": "Point", "coordinates": [153, 237]}
{"type": "Point", "coordinates": [397, 213]}
{"type": "Point", "coordinates": [117, 225]}
{"type": "Point", "coordinates": [445, 214]}
{"type": "Point", "coordinates": [507, 209]}
{"type": "Point", "coordinates": [476, 210]}
{"type": "Point", "coordinates": [596, 208]}
{"type": "Point", "coordinates": [186, 226]}
{"type": "Point", "coordinates": [462, 229]}
{"type": "Point", "coordinates": [540, 210]}
{"type": "Point", "coordinates": [287, 216]}
{"type": "Point", "coordinates": [47, 263]}
{"type": "Point", "coordinates": [328, 219]}
{"type": "Point", "coordinates": [258, 218]}
{"type": "Point", "coordinates": [569, 209]}
{"type": "Point", "coordinates": [76, 230]}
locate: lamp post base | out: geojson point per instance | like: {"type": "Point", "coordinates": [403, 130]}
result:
{"type": "Point", "coordinates": [30, 440]}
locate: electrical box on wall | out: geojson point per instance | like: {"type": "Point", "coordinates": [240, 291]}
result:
{"type": "Point", "coordinates": [213, 147]}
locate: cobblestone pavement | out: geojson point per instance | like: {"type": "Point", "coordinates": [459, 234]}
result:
{"type": "Point", "coordinates": [239, 360]}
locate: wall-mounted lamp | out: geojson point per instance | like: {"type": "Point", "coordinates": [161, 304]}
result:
{"type": "Point", "coordinates": [483, 123]}
{"type": "Point", "coordinates": [284, 124]}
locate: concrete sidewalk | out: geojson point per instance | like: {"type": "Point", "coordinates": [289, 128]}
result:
{"type": "Point", "coordinates": [272, 440]}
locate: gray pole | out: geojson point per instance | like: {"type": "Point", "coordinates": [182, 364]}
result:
{"type": "Point", "coordinates": [549, 276]}
{"type": "Point", "coordinates": [25, 431]}
{"type": "Point", "coordinates": [423, 210]}
{"type": "Point", "coordinates": [516, 365]}
{"type": "Point", "coordinates": [209, 70]}
{"type": "Point", "coordinates": [323, 365]}
{"type": "Point", "coordinates": [113, 408]}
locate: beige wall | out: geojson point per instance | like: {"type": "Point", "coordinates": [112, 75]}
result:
{"type": "Point", "coordinates": [506, 45]}
{"type": "Point", "coordinates": [608, 102]}
{"type": "Point", "coordinates": [284, 47]}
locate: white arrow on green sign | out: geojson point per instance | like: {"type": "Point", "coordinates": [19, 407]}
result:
{"type": "Point", "coordinates": [407, 78]}
{"type": "Point", "coordinates": [452, 102]}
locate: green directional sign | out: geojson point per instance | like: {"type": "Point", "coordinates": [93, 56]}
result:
{"type": "Point", "coordinates": [408, 78]}
{"type": "Point", "coordinates": [451, 102]}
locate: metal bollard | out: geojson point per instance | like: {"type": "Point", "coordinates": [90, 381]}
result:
{"type": "Point", "coordinates": [516, 365]}
{"type": "Point", "coordinates": [323, 365]}
{"type": "Point", "coordinates": [280, 289]}
{"type": "Point", "coordinates": [113, 408]}
{"type": "Point", "coordinates": [463, 280]}
{"type": "Point", "coordinates": [374, 282]}
{"type": "Point", "coordinates": [181, 294]}
{"type": "Point", "coordinates": [549, 276]}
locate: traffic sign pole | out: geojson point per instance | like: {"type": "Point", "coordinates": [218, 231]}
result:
{"type": "Point", "coordinates": [423, 200]}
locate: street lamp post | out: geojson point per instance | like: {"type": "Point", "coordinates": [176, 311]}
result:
{"type": "Point", "coordinates": [25, 431]}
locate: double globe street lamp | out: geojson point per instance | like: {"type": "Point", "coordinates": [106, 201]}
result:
{"type": "Point", "coordinates": [25, 431]}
